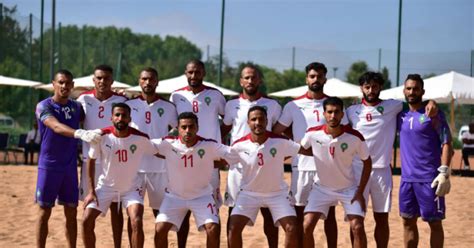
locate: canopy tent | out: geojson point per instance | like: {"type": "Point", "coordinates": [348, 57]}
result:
{"type": "Point", "coordinates": [83, 83]}
{"type": "Point", "coordinates": [167, 86]}
{"type": "Point", "coordinates": [444, 88]}
{"type": "Point", "coordinates": [333, 87]}
{"type": "Point", "coordinates": [9, 81]}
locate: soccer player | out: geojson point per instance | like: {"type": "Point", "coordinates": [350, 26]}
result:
{"type": "Point", "coordinates": [207, 104]}
{"type": "Point", "coordinates": [426, 150]}
{"type": "Point", "coordinates": [58, 121]}
{"type": "Point", "coordinates": [235, 119]}
{"type": "Point", "coordinates": [301, 113]}
{"type": "Point", "coordinates": [97, 105]}
{"type": "Point", "coordinates": [190, 165]}
{"type": "Point", "coordinates": [334, 147]}
{"type": "Point", "coordinates": [262, 185]}
{"type": "Point", "coordinates": [468, 145]}
{"type": "Point", "coordinates": [120, 151]}
{"type": "Point", "coordinates": [154, 116]}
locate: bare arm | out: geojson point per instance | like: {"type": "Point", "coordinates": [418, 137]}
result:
{"type": "Point", "coordinates": [59, 127]}
{"type": "Point", "coordinates": [307, 152]}
{"type": "Point", "coordinates": [431, 108]}
{"type": "Point", "coordinates": [447, 153]}
{"type": "Point", "coordinates": [91, 196]}
{"type": "Point", "coordinates": [468, 141]}
{"type": "Point", "coordinates": [279, 128]}
{"type": "Point", "coordinates": [221, 164]}
{"type": "Point", "coordinates": [359, 195]}
{"type": "Point", "coordinates": [225, 129]}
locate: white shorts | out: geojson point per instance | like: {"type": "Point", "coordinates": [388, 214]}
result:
{"type": "Point", "coordinates": [249, 204]}
{"type": "Point", "coordinates": [154, 184]}
{"type": "Point", "coordinates": [234, 181]}
{"type": "Point", "coordinates": [321, 199]}
{"type": "Point", "coordinates": [216, 187]}
{"type": "Point", "coordinates": [301, 184]}
{"type": "Point", "coordinates": [107, 196]}
{"type": "Point", "coordinates": [174, 209]}
{"type": "Point", "coordinates": [379, 187]}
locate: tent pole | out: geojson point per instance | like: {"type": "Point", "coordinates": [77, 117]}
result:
{"type": "Point", "coordinates": [453, 127]}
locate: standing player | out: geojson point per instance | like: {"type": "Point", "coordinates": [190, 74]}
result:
{"type": "Point", "coordinates": [262, 185]}
{"type": "Point", "coordinates": [58, 119]}
{"type": "Point", "coordinates": [467, 145]}
{"type": "Point", "coordinates": [334, 147]}
{"type": "Point", "coordinates": [97, 105]}
{"type": "Point", "coordinates": [235, 119]}
{"type": "Point", "coordinates": [207, 104]}
{"type": "Point", "coordinates": [304, 112]}
{"type": "Point", "coordinates": [154, 116]}
{"type": "Point", "coordinates": [426, 150]}
{"type": "Point", "coordinates": [120, 151]}
{"type": "Point", "coordinates": [190, 165]}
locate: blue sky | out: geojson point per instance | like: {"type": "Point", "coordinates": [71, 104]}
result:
{"type": "Point", "coordinates": [437, 35]}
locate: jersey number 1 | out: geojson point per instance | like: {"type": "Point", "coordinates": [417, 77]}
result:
{"type": "Point", "coordinates": [122, 155]}
{"type": "Point", "coordinates": [186, 158]}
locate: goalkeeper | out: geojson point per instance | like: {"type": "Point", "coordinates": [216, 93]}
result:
{"type": "Point", "coordinates": [426, 150]}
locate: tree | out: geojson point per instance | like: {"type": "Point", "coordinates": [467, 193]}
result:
{"type": "Point", "coordinates": [355, 71]}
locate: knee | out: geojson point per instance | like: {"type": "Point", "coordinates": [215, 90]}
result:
{"type": "Point", "coordinates": [436, 226]}
{"type": "Point", "coordinates": [212, 230]}
{"type": "Point", "coordinates": [44, 214]}
{"type": "Point", "coordinates": [161, 231]}
{"type": "Point", "coordinates": [136, 223]}
{"type": "Point", "coordinates": [357, 227]}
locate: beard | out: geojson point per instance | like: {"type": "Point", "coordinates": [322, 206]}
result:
{"type": "Point", "coordinates": [121, 126]}
{"type": "Point", "coordinates": [251, 91]}
{"type": "Point", "coordinates": [316, 87]}
{"type": "Point", "coordinates": [371, 99]}
{"type": "Point", "coordinates": [414, 100]}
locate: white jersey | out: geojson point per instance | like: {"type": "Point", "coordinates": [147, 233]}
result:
{"type": "Point", "coordinates": [154, 119]}
{"type": "Point", "coordinates": [190, 169]}
{"type": "Point", "coordinates": [333, 155]}
{"type": "Point", "coordinates": [207, 105]}
{"type": "Point", "coordinates": [304, 112]}
{"type": "Point", "coordinates": [236, 111]}
{"type": "Point", "coordinates": [378, 125]}
{"type": "Point", "coordinates": [469, 136]}
{"type": "Point", "coordinates": [262, 165]}
{"type": "Point", "coordinates": [97, 113]}
{"type": "Point", "coordinates": [120, 158]}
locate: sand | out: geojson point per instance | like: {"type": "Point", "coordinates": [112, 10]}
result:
{"type": "Point", "coordinates": [18, 216]}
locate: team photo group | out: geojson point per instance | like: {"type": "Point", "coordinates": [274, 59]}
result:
{"type": "Point", "coordinates": [171, 151]}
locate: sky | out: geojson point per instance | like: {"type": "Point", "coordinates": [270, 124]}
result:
{"type": "Point", "coordinates": [437, 35]}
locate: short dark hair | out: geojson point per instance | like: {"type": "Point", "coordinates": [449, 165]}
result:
{"type": "Point", "coordinates": [257, 108]}
{"type": "Point", "coordinates": [253, 66]}
{"type": "Point", "coordinates": [106, 68]}
{"type": "Point", "coordinates": [316, 66]}
{"type": "Point", "coordinates": [188, 115]}
{"type": "Point", "coordinates": [371, 76]}
{"type": "Point", "coordinates": [121, 105]}
{"type": "Point", "coordinates": [336, 101]}
{"type": "Point", "coordinates": [196, 62]}
{"type": "Point", "coordinates": [416, 77]}
{"type": "Point", "coordinates": [65, 73]}
{"type": "Point", "coordinates": [150, 70]}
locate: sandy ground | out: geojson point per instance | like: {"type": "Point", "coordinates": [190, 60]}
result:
{"type": "Point", "coordinates": [18, 216]}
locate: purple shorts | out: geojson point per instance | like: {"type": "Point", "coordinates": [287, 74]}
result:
{"type": "Point", "coordinates": [419, 199]}
{"type": "Point", "coordinates": [61, 185]}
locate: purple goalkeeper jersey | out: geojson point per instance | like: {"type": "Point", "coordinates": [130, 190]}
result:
{"type": "Point", "coordinates": [421, 140]}
{"type": "Point", "coordinates": [58, 152]}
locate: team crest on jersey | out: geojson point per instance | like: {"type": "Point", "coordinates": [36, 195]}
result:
{"type": "Point", "coordinates": [422, 119]}
{"type": "Point", "coordinates": [344, 146]}
{"type": "Point", "coordinates": [160, 111]}
{"type": "Point", "coordinates": [273, 151]}
{"type": "Point", "coordinates": [201, 152]}
{"type": "Point", "coordinates": [133, 148]}
{"type": "Point", "coordinates": [380, 109]}
{"type": "Point", "coordinates": [207, 100]}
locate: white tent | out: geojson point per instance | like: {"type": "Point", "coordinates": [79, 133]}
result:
{"type": "Point", "coordinates": [167, 86]}
{"type": "Point", "coordinates": [443, 88]}
{"type": "Point", "coordinates": [84, 83]}
{"type": "Point", "coordinates": [9, 81]}
{"type": "Point", "coordinates": [333, 87]}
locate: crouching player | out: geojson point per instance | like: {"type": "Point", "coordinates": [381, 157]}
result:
{"type": "Point", "coordinates": [262, 154]}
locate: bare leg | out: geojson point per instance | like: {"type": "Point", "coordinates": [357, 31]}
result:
{"type": "Point", "coordinates": [42, 226]}
{"type": "Point", "coordinates": [437, 234]}
{"type": "Point", "coordinates": [382, 230]}
{"type": "Point", "coordinates": [71, 225]}
{"type": "Point", "coordinates": [410, 232]}
{"type": "Point", "coordinates": [155, 213]}
{"type": "Point", "coordinates": [310, 221]}
{"type": "Point", "coordinates": [299, 223]}
{"type": "Point", "coordinates": [269, 228]}
{"type": "Point", "coordinates": [116, 217]}
{"type": "Point", "coordinates": [357, 227]}
{"type": "Point", "coordinates": [135, 213]}
{"type": "Point", "coordinates": [289, 225]}
{"type": "Point", "coordinates": [88, 225]}
{"type": "Point", "coordinates": [330, 227]}
{"type": "Point", "coordinates": [162, 229]}
{"type": "Point", "coordinates": [183, 231]}
{"type": "Point", "coordinates": [213, 232]}
{"type": "Point", "coordinates": [236, 226]}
